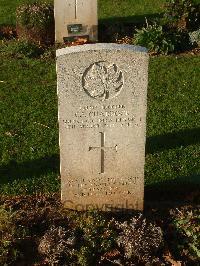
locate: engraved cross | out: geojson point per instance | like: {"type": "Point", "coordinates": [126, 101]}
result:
{"type": "Point", "coordinates": [76, 8]}
{"type": "Point", "coordinates": [102, 149]}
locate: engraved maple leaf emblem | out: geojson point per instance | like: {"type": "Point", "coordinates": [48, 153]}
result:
{"type": "Point", "coordinates": [103, 81]}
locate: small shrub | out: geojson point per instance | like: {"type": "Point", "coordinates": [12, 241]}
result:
{"type": "Point", "coordinates": [98, 237]}
{"type": "Point", "coordinates": [140, 240]}
{"type": "Point", "coordinates": [36, 15]}
{"type": "Point", "coordinates": [171, 32]}
{"type": "Point", "coordinates": [35, 22]}
{"type": "Point", "coordinates": [182, 14]}
{"type": "Point", "coordinates": [57, 246]}
{"type": "Point", "coordinates": [187, 233]}
{"type": "Point", "coordinates": [154, 38]}
{"type": "Point", "coordinates": [177, 12]}
{"type": "Point", "coordinates": [7, 232]}
{"type": "Point", "coordinates": [84, 245]}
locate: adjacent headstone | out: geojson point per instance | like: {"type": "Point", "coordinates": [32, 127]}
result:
{"type": "Point", "coordinates": [75, 19]}
{"type": "Point", "coordinates": [102, 95]}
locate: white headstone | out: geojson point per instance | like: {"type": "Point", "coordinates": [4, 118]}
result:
{"type": "Point", "coordinates": [75, 19]}
{"type": "Point", "coordinates": [102, 93]}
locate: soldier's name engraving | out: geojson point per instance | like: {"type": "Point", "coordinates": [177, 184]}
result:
{"type": "Point", "coordinates": [97, 116]}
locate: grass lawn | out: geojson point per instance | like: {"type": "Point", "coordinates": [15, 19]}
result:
{"type": "Point", "coordinates": [126, 10]}
{"type": "Point", "coordinates": [7, 11]}
{"type": "Point", "coordinates": [173, 127]}
{"type": "Point", "coordinates": [107, 8]}
{"type": "Point", "coordinates": [29, 132]}
{"type": "Point", "coordinates": [130, 10]}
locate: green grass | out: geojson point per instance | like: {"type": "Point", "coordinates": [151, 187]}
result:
{"type": "Point", "coordinates": [8, 8]}
{"type": "Point", "coordinates": [29, 132]}
{"type": "Point", "coordinates": [29, 139]}
{"type": "Point", "coordinates": [131, 11]}
{"type": "Point", "coordinates": [126, 10]}
{"type": "Point", "coordinates": [129, 8]}
{"type": "Point", "coordinates": [173, 119]}
{"type": "Point", "coordinates": [107, 8]}
{"type": "Point", "coordinates": [7, 11]}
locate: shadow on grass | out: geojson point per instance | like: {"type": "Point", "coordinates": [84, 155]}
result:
{"type": "Point", "coordinates": [46, 165]}
{"type": "Point", "coordinates": [29, 169]}
{"type": "Point", "coordinates": [138, 19]}
{"type": "Point", "coordinates": [118, 27]}
{"type": "Point", "coordinates": [172, 140]}
{"type": "Point", "coordinates": [171, 193]}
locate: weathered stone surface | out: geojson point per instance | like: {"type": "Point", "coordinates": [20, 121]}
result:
{"type": "Point", "coordinates": [102, 93]}
{"type": "Point", "coordinates": [75, 18]}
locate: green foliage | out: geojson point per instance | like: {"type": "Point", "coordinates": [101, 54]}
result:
{"type": "Point", "coordinates": [155, 39]}
{"type": "Point", "coordinates": [171, 32]}
{"type": "Point", "coordinates": [20, 49]}
{"type": "Point", "coordinates": [5, 221]}
{"type": "Point", "coordinates": [182, 14]}
{"type": "Point", "coordinates": [97, 235]}
{"type": "Point", "coordinates": [84, 244]}
{"type": "Point", "coordinates": [178, 8]}
{"type": "Point", "coordinates": [7, 232]}
{"type": "Point", "coordinates": [187, 228]}
{"type": "Point", "coordinates": [95, 240]}
{"type": "Point", "coordinates": [36, 15]}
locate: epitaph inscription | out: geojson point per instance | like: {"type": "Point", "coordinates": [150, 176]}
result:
{"type": "Point", "coordinates": [102, 114]}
